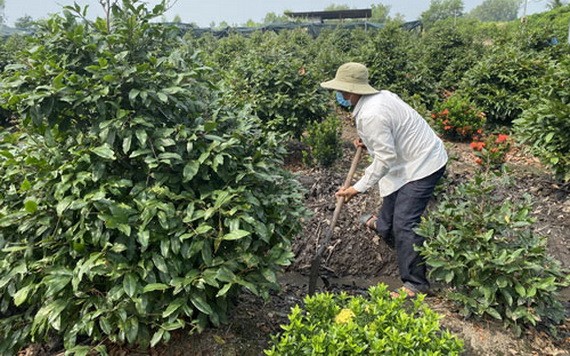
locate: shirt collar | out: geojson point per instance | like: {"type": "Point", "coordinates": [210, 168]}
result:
{"type": "Point", "coordinates": [358, 105]}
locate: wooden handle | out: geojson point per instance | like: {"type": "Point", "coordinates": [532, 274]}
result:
{"type": "Point", "coordinates": [317, 260]}
{"type": "Point", "coordinates": [353, 167]}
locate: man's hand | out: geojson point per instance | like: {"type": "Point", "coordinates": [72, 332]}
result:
{"type": "Point", "coordinates": [346, 193]}
{"type": "Point", "coordinates": [358, 143]}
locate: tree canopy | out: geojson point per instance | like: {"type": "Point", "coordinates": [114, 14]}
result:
{"type": "Point", "coordinates": [441, 10]}
{"type": "Point", "coordinates": [497, 10]}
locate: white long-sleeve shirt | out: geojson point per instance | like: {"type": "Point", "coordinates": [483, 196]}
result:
{"type": "Point", "coordinates": [403, 146]}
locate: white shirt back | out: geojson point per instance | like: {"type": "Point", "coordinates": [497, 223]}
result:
{"type": "Point", "coordinates": [403, 146]}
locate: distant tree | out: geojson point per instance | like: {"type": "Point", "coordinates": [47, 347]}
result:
{"type": "Point", "coordinates": [251, 23]}
{"type": "Point", "coordinates": [223, 24]}
{"type": "Point", "coordinates": [380, 12]}
{"type": "Point", "coordinates": [272, 17]}
{"type": "Point", "coordinates": [398, 17]}
{"type": "Point", "coordinates": [442, 9]}
{"type": "Point", "coordinates": [1, 12]}
{"type": "Point", "coordinates": [335, 7]}
{"type": "Point", "coordinates": [497, 10]}
{"type": "Point", "coordinates": [177, 19]}
{"type": "Point", "coordinates": [25, 22]}
{"type": "Point", "coordinates": [553, 4]}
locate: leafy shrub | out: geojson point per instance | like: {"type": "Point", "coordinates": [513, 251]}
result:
{"type": "Point", "coordinates": [394, 64]}
{"type": "Point", "coordinates": [324, 141]}
{"type": "Point", "coordinates": [282, 89]}
{"type": "Point", "coordinates": [343, 325]}
{"type": "Point", "coordinates": [500, 84]}
{"type": "Point", "coordinates": [8, 48]}
{"type": "Point", "coordinates": [456, 118]}
{"type": "Point", "coordinates": [132, 203]}
{"type": "Point", "coordinates": [449, 50]}
{"type": "Point", "coordinates": [545, 125]}
{"type": "Point", "coordinates": [339, 45]}
{"type": "Point", "coordinates": [539, 30]}
{"type": "Point", "coordinates": [480, 242]}
{"type": "Point", "coordinates": [490, 151]}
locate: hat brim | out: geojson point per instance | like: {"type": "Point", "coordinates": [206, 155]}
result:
{"type": "Point", "coordinates": [360, 89]}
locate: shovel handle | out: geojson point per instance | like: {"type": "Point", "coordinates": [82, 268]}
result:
{"type": "Point", "coordinates": [346, 184]}
{"type": "Point", "coordinates": [314, 273]}
{"type": "Point", "coordinates": [353, 167]}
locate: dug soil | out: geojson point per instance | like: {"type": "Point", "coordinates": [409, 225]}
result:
{"type": "Point", "coordinates": [356, 258]}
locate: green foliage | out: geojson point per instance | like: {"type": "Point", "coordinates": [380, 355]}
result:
{"type": "Point", "coordinates": [380, 12]}
{"type": "Point", "coordinates": [450, 50]}
{"type": "Point", "coordinates": [343, 325]}
{"type": "Point", "coordinates": [324, 141]}
{"type": "Point", "coordinates": [281, 87]}
{"type": "Point", "coordinates": [480, 242]}
{"type": "Point", "coordinates": [539, 29]}
{"type": "Point", "coordinates": [25, 23]}
{"type": "Point", "coordinates": [440, 10]}
{"type": "Point", "coordinates": [497, 10]}
{"type": "Point", "coordinates": [394, 64]}
{"type": "Point", "coordinates": [456, 118]}
{"type": "Point", "coordinates": [500, 84]}
{"type": "Point", "coordinates": [340, 44]}
{"type": "Point", "coordinates": [491, 150]}
{"type": "Point", "coordinates": [132, 202]}
{"type": "Point", "coordinates": [545, 125]}
{"type": "Point", "coordinates": [8, 49]}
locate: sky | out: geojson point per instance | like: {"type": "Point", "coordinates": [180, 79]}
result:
{"type": "Point", "coordinates": [237, 12]}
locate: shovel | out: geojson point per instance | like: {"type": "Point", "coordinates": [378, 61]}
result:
{"type": "Point", "coordinates": [314, 273]}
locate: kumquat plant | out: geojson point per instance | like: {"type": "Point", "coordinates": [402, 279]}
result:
{"type": "Point", "coordinates": [491, 151]}
{"type": "Point", "coordinates": [456, 118]}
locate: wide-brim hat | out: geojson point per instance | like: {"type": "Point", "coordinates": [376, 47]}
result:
{"type": "Point", "coordinates": [351, 78]}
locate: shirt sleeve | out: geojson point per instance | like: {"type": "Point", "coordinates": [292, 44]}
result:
{"type": "Point", "coordinates": [378, 137]}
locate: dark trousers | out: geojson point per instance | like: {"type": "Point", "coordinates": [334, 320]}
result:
{"type": "Point", "coordinates": [399, 215]}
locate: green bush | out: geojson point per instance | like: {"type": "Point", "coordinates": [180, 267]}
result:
{"type": "Point", "coordinates": [480, 242]}
{"type": "Point", "coordinates": [456, 118]}
{"type": "Point", "coordinates": [281, 87]}
{"type": "Point", "coordinates": [353, 325]}
{"type": "Point", "coordinates": [339, 44]}
{"type": "Point", "coordinates": [8, 48]}
{"type": "Point", "coordinates": [132, 203]}
{"type": "Point", "coordinates": [500, 84]}
{"type": "Point", "coordinates": [540, 29]}
{"type": "Point", "coordinates": [490, 151]}
{"type": "Point", "coordinates": [324, 141]}
{"type": "Point", "coordinates": [545, 125]}
{"type": "Point", "coordinates": [396, 65]}
{"type": "Point", "coordinates": [449, 50]}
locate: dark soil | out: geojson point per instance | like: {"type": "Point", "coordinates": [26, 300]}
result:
{"type": "Point", "coordinates": [356, 258]}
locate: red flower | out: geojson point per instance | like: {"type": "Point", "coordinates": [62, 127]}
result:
{"type": "Point", "coordinates": [477, 146]}
{"type": "Point", "coordinates": [502, 138]}
{"type": "Point", "coordinates": [445, 112]}
{"type": "Point", "coordinates": [447, 128]}
{"type": "Point", "coordinates": [478, 160]}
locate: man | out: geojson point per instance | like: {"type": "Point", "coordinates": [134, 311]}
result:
{"type": "Point", "coordinates": [408, 159]}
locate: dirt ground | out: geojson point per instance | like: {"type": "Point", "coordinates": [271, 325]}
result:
{"type": "Point", "coordinates": [356, 259]}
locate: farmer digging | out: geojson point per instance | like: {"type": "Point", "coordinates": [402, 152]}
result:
{"type": "Point", "coordinates": [408, 159]}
